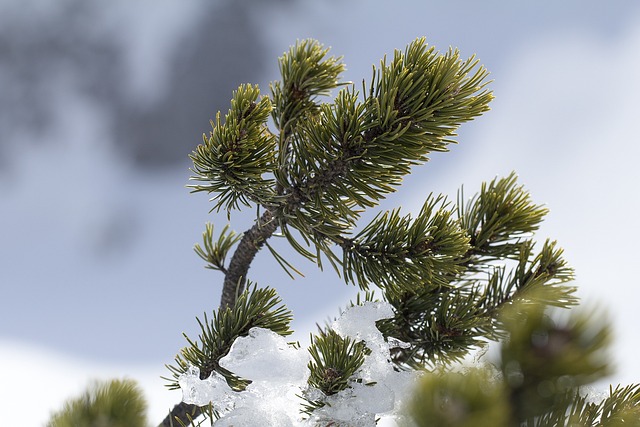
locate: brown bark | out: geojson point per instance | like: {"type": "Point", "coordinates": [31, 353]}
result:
{"type": "Point", "coordinates": [251, 242]}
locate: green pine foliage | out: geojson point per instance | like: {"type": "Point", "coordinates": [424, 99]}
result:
{"type": "Point", "coordinates": [459, 275]}
{"type": "Point", "coordinates": [398, 251]}
{"type": "Point", "coordinates": [258, 308]}
{"type": "Point", "coordinates": [215, 253]}
{"type": "Point", "coordinates": [235, 155]}
{"type": "Point", "coordinates": [455, 273]}
{"type": "Point", "coordinates": [116, 403]}
{"type": "Point", "coordinates": [334, 360]}
{"type": "Point", "coordinates": [331, 160]}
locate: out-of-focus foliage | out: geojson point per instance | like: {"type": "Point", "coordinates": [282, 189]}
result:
{"type": "Point", "coordinates": [116, 403]}
{"type": "Point", "coordinates": [544, 360]}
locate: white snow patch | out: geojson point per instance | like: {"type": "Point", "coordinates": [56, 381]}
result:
{"type": "Point", "coordinates": [200, 392]}
{"type": "Point", "coordinates": [277, 371]}
{"type": "Point", "coordinates": [262, 347]}
{"type": "Point", "coordinates": [37, 381]}
{"type": "Point", "coordinates": [279, 375]}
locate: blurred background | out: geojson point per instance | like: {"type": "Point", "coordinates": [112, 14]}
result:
{"type": "Point", "coordinates": [102, 102]}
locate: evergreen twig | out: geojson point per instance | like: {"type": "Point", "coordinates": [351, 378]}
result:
{"type": "Point", "coordinates": [251, 242]}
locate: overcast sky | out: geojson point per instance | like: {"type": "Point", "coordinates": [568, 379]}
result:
{"type": "Point", "coordinates": [77, 306]}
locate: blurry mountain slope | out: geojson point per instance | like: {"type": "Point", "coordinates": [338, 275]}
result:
{"type": "Point", "coordinates": [100, 105]}
{"type": "Point", "coordinates": [157, 77]}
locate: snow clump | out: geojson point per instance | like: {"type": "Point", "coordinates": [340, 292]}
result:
{"type": "Point", "coordinates": [279, 373]}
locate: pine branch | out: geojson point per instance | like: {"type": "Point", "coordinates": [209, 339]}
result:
{"type": "Point", "coordinates": [251, 242]}
{"type": "Point", "coordinates": [233, 286]}
{"type": "Point", "coordinates": [452, 282]}
{"type": "Point", "coordinates": [401, 251]}
{"type": "Point", "coordinates": [453, 306]}
{"type": "Point", "coordinates": [542, 364]}
{"type": "Point", "coordinates": [307, 74]}
{"type": "Point", "coordinates": [256, 308]}
{"type": "Point", "coordinates": [232, 160]}
{"type": "Point", "coordinates": [498, 219]}
{"type": "Point", "coordinates": [351, 154]}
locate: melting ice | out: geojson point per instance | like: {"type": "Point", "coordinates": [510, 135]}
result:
{"type": "Point", "coordinates": [279, 374]}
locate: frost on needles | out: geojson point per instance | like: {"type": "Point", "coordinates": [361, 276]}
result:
{"type": "Point", "coordinates": [437, 286]}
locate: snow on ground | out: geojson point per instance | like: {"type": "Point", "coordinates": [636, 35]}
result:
{"type": "Point", "coordinates": [36, 381]}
